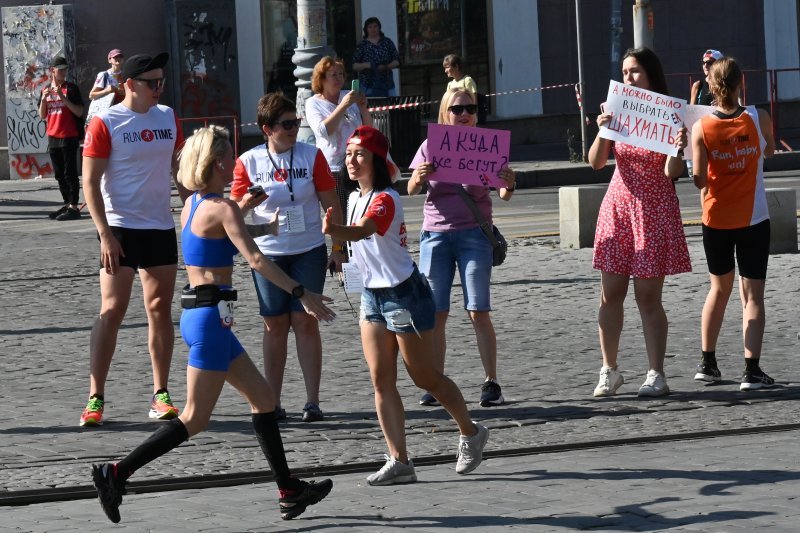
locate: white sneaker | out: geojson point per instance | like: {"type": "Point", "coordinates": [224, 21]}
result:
{"type": "Point", "coordinates": [393, 472]}
{"type": "Point", "coordinates": [654, 385]}
{"type": "Point", "coordinates": [470, 450]}
{"type": "Point", "coordinates": [610, 380]}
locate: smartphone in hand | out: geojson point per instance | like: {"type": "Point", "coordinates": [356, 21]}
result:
{"type": "Point", "coordinates": [355, 86]}
{"type": "Point", "coordinates": [256, 190]}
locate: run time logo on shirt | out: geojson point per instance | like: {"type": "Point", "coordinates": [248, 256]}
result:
{"type": "Point", "coordinates": [147, 135]}
{"type": "Point", "coordinates": [283, 174]}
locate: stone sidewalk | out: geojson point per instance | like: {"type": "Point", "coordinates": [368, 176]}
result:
{"type": "Point", "coordinates": [545, 302]}
{"type": "Point", "coordinates": [731, 484]}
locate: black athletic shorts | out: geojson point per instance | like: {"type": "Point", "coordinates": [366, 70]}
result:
{"type": "Point", "coordinates": [145, 248]}
{"type": "Point", "coordinates": [750, 245]}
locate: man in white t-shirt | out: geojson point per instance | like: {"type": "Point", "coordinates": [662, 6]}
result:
{"type": "Point", "coordinates": [129, 156]}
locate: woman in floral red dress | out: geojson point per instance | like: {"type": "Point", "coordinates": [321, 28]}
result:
{"type": "Point", "coordinates": [639, 235]}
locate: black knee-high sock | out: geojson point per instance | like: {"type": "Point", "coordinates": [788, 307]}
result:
{"type": "Point", "coordinates": [165, 438]}
{"type": "Point", "coordinates": [269, 437]}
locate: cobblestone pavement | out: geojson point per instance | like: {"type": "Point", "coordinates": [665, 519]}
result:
{"type": "Point", "coordinates": [545, 305]}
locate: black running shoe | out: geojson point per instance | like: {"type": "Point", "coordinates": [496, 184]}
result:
{"type": "Point", "coordinates": [294, 502]}
{"type": "Point", "coordinates": [109, 489]}
{"type": "Point", "coordinates": [757, 379]}
{"type": "Point", "coordinates": [60, 210]}
{"type": "Point", "coordinates": [708, 373]}
{"type": "Point", "coordinates": [491, 394]}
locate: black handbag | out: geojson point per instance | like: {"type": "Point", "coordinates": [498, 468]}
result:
{"type": "Point", "coordinates": [499, 244]}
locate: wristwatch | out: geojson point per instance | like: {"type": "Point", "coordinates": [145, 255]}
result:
{"type": "Point", "coordinates": [298, 292]}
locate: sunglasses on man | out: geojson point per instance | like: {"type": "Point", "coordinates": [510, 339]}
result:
{"type": "Point", "coordinates": [288, 124]}
{"type": "Point", "coordinates": [154, 84]}
{"type": "Point", "coordinates": [459, 109]}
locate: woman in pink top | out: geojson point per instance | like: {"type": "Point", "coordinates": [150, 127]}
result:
{"type": "Point", "coordinates": [452, 238]}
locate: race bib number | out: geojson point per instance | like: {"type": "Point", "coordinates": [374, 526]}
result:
{"type": "Point", "coordinates": [226, 313]}
{"type": "Point", "coordinates": [292, 219]}
{"type": "Point", "coordinates": [352, 278]}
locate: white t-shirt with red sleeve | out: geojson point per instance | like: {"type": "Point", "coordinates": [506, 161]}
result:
{"type": "Point", "coordinates": [382, 258]}
{"type": "Point", "coordinates": [137, 183]}
{"type": "Point", "coordinates": [291, 184]}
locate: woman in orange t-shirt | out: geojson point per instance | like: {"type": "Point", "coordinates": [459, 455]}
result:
{"type": "Point", "coordinates": [729, 148]}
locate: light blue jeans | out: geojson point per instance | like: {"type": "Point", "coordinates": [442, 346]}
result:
{"type": "Point", "coordinates": [440, 252]}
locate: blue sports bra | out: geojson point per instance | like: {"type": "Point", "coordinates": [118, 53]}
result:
{"type": "Point", "coordinates": [203, 251]}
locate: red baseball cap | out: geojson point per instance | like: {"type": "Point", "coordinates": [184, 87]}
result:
{"type": "Point", "coordinates": [371, 139]}
{"type": "Point", "coordinates": [115, 52]}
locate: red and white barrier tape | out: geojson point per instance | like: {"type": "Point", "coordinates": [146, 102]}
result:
{"type": "Point", "coordinates": [417, 104]}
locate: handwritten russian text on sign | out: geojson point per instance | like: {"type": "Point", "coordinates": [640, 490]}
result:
{"type": "Point", "coordinates": [471, 156]}
{"type": "Point", "coordinates": [643, 118]}
{"type": "Point", "coordinates": [693, 114]}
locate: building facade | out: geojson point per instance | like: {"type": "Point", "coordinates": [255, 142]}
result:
{"type": "Point", "coordinates": [227, 53]}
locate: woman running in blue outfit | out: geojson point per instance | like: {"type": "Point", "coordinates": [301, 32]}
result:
{"type": "Point", "coordinates": [213, 233]}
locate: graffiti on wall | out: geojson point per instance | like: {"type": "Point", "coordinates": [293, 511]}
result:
{"type": "Point", "coordinates": [30, 166]}
{"type": "Point", "coordinates": [209, 66]}
{"type": "Point", "coordinates": [32, 36]}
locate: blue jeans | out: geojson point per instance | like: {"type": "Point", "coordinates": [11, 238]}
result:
{"type": "Point", "coordinates": [307, 268]}
{"type": "Point", "coordinates": [404, 308]}
{"type": "Point", "coordinates": [440, 252]}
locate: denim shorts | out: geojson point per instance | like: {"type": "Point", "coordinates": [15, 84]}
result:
{"type": "Point", "coordinates": [440, 252]}
{"type": "Point", "coordinates": [307, 268]}
{"type": "Point", "coordinates": [406, 308]}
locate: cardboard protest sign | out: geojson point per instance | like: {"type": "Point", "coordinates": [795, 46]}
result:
{"type": "Point", "coordinates": [470, 156]}
{"type": "Point", "coordinates": [693, 114]}
{"type": "Point", "coordinates": [643, 118]}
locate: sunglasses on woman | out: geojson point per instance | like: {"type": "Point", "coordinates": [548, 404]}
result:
{"type": "Point", "coordinates": [154, 84]}
{"type": "Point", "coordinates": [288, 124]}
{"type": "Point", "coordinates": [459, 109]}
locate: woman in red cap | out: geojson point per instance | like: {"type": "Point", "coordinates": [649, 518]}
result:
{"type": "Point", "coordinates": [397, 309]}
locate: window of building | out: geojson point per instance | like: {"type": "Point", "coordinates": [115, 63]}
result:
{"type": "Point", "coordinates": [429, 30]}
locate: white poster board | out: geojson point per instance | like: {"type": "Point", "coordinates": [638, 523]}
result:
{"type": "Point", "coordinates": [643, 118]}
{"type": "Point", "coordinates": [693, 114]}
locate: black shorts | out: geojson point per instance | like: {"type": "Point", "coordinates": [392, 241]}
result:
{"type": "Point", "coordinates": [145, 248]}
{"type": "Point", "coordinates": [751, 246]}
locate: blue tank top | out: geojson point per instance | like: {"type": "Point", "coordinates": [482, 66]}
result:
{"type": "Point", "coordinates": [202, 251]}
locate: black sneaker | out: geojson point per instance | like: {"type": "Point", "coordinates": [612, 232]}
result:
{"type": "Point", "coordinates": [294, 502]}
{"type": "Point", "coordinates": [54, 214]}
{"type": "Point", "coordinates": [708, 373]}
{"type": "Point", "coordinates": [109, 489]}
{"type": "Point", "coordinates": [312, 413]}
{"type": "Point", "coordinates": [70, 214]}
{"type": "Point", "coordinates": [491, 394]}
{"type": "Point", "coordinates": [280, 413]}
{"type": "Point", "coordinates": [429, 400]}
{"type": "Point", "coordinates": [758, 379]}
